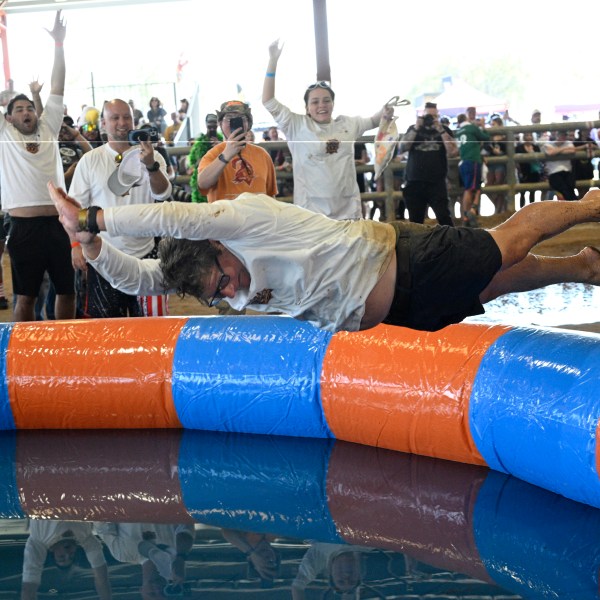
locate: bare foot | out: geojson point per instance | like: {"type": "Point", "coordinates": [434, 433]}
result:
{"type": "Point", "coordinates": [591, 256]}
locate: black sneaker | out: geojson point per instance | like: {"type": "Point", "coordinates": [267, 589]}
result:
{"type": "Point", "coordinates": [3, 303]}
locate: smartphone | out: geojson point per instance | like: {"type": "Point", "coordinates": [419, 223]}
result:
{"type": "Point", "coordinates": [236, 123]}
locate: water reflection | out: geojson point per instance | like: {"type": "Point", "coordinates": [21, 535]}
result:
{"type": "Point", "coordinates": [240, 515]}
{"type": "Point", "coordinates": [561, 304]}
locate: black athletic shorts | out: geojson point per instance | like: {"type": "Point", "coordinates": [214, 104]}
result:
{"type": "Point", "coordinates": [441, 272]}
{"type": "Point", "coordinates": [36, 245]}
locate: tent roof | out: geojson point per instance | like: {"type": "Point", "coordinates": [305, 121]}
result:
{"type": "Point", "coordinates": [459, 95]}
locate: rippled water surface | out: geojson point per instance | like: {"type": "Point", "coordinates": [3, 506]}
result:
{"type": "Point", "coordinates": [554, 305]}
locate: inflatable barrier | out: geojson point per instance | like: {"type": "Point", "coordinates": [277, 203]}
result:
{"type": "Point", "coordinates": [453, 516]}
{"type": "Point", "coordinates": [521, 401]}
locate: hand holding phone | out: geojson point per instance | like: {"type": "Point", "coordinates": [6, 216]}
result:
{"type": "Point", "coordinates": [236, 123]}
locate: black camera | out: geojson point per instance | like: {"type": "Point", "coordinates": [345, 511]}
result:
{"type": "Point", "coordinates": [148, 134]}
{"type": "Point", "coordinates": [428, 120]}
{"type": "Point", "coordinates": [180, 194]}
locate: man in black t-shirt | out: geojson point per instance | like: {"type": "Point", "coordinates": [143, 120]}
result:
{"type": "Point", "coordinates": [429, 145]}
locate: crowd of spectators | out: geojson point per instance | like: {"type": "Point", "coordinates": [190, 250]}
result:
{"type": "Point", "coordinates": [439, 163]}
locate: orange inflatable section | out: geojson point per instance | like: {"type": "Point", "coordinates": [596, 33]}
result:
{"type": "Point", "coordinates": [406, 390]}
{"type": "Point", "coordinates": [69, 374]}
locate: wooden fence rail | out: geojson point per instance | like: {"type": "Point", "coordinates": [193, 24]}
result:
{"type": "Point", "coordinates": [391, 197]}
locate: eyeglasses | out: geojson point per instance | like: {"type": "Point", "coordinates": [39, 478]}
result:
{"type": "Point", "coordinates": [322, 84]}
{"type": "Point", "coordinates": [223, 283]}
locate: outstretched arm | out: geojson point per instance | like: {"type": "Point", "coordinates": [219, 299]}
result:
{"type": "Point", "coordinates": [385, 111]}
{"type": "Point", "coordinates": [57, 83]}
{"type": "Point", "coordinates": [68, 213]}
{"type": "Point", "coordinates": [35, 87]}
{"type": "Point", "coordinates": [269, 83]}
{"type": "Point", "coordinates": [129, 274]}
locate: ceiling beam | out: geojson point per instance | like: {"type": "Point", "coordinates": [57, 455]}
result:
{"type": "Point", "coordinates": [14, 7]}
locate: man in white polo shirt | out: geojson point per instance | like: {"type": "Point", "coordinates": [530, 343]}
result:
{"type": "Point", "coordinates": [117, 174]}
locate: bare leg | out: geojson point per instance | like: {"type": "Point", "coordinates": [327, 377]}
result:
{"type": "Point", "coordinates": [24, 308]}
{"type": "Point", "coordinates": [470, 204]}
{"type": "Point", "coordinates": [538, 271]}
{"type": "Point", "coordinates": [64, 307]}
{"type": "Point", "coordinates": [538, 222]}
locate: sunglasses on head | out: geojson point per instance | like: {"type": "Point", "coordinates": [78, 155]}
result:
{"type": "Point", "coordinates": [321, 84]}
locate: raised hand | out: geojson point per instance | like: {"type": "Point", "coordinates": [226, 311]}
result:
{"type": "Point", "coordinates": [68, 213]}
{"type": "Point", "coordinates": [275, 49]}
{"type": "Point", "coordinates": [59, 31]}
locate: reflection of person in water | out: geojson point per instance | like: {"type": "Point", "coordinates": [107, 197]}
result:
{"type": "Point", "coordinates": [161, 550]}
{"type": "Point", "coordinates": [61, 539]}
{"type": "Point", "coordinates": [339, 564]}
{"type": "Point", "coordinates": [259, 552]}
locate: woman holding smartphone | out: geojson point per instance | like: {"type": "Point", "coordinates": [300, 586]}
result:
{"type": "Point", "coordinates": [322, 147]}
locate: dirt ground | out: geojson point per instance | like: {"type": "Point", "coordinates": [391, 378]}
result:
{"type": "Point", "coordinates": [569, 242]}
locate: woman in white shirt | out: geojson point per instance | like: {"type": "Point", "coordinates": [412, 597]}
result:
{"type": "Point", "coordinates": [322, 147]}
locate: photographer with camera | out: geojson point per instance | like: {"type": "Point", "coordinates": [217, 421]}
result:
{"type": "Point", "coordinates": [429, 145]}
{"type": "Point", "coordinates": [126, 170]}
{"type": "Point", "coordinates": [235, 166]}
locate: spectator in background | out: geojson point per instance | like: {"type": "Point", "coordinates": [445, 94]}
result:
{"type": "Point", "coordinates": [583, 168]}
{"type": "Point", "coordinates": [496, 172]}
{"type": "Point", "coordinates": [72, 145]}
{"type": "Point", "coordinates": [282, 161]}
{"type": "Point", "coordinates": [455, 188]}
{"type": "Point", "coordinates": [529, 172]}
{"type": "Point", "coordinates": [29, 159]}
{"type": "Point", "coordinates": [203, 143]}
{"type": "Point", "coordinates": [560, 172]}
{"type": "Point", "coordinates": [398, 179]}
{"type": "Point", "coordinates": [429, 145]}
{"type": "Point", "coordinates": [172, 129]}
{"type": "Point", "coordinates": [235, 166]}
{"type": "Point", "coordinates": [322, 146]}
{"type": "Point", "coordinates": [117, 174]}
{"type": "Point", "coordinates": [361, 157]}
{"type": "Point", "coordinates": [138, 115]}
{"type": "Point", "coordinates": [156, 115]}
{"type": "Point", "coordinates": [184, 106]}
{"type": "Point", "coordinates": [90, 127]}
{"type": "Point", "coordinates": [470, 137]}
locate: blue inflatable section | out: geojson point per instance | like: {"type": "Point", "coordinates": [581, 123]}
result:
{"type": "Point", "coordinates": [535, 543]}
{"type": "Point", "coordinates": [10, 502]}
{"type": "Point", "coordinates": [253, 375]}
{"type": "Point", "coordinates": [7, 421]}
{"type": "Point", "coordinates": [258, 483]}
{"type": "Point", "coordinates": [535, 404]}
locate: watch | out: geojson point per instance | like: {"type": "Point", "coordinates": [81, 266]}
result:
{"type": "Point", "coordinates": [155, 167]}
{"type": "Point", "coordinates": [222, 158]}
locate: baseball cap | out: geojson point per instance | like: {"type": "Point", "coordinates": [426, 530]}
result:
{"type": "Point", "coordinates": [128, 174]}
{"type": "Point", "coordinates": [211, 118]}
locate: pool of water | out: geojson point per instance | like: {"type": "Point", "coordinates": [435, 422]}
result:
{"type": "Point", "coordinates": [551, 306]}
{"type": "Point", "coordinates": [241, 516]}
{"type": "Point", "coordinates": [159, 514]}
